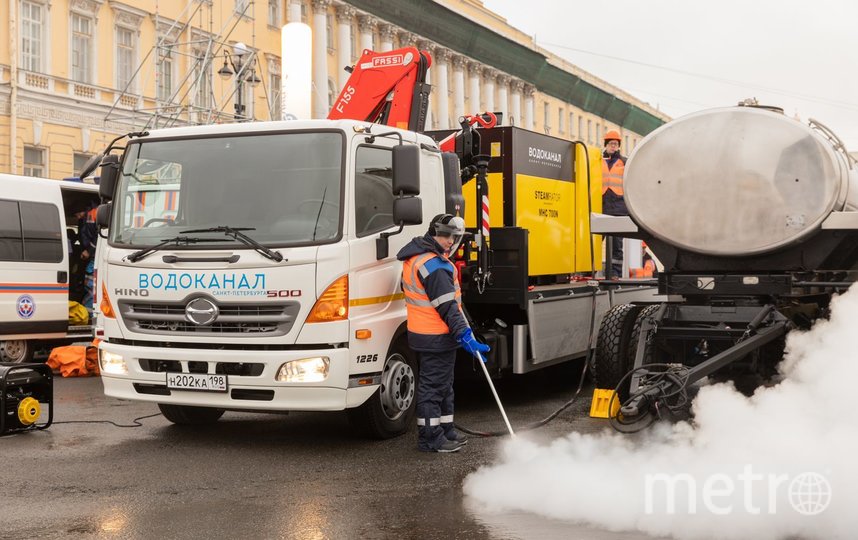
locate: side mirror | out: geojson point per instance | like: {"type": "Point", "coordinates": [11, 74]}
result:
{"type": "Point", "coordinates": [406, 169]}
{"type": "Point", "coordinates": [408, 211]}
{"type": "Point", "coordinates": [109, 176]}
{"type": "Point", "coordinates": [102, 215]}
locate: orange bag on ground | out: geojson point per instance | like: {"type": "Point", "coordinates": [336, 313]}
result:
{"type": "Point", "coordinates": [75, 360]}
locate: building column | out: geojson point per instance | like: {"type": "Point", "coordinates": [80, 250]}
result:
{"type": "Point", "coordinates": [489, 89]}
{"type": "Point", "coordinates": [387, 32]}
{"type": "Point", "coordinates": [345, 14]}
{"type": "Point", "coordinates": [320, 57]}
{"type": "Point", "coordinates": [515, 112]}
{"type": "Point", "coordinates": [474, 78]}
{"type": "Point", "coordinates": [294, 11]}
{"type": "Point", "coordinates": [366, 24]}
{"type": "Point", "coordinates": [503, 99]}
{"type": "Point", "coordinates": [442, 94]}
{"type": "Point", "coordinates": [458, 88]}
{"type": "Point", "coordinates": [529, 91]}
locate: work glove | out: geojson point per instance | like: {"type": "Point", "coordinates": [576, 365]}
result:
{"type": "Point", "coordinates": [470, 344]}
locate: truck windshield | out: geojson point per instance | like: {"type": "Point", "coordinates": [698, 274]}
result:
{"type": "Point", "coordinates": [287, 187]}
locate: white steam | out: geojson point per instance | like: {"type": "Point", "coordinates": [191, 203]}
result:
{"type": "Point", "coordinates": [739, 472]}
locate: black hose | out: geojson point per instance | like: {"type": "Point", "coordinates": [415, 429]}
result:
{"type": "Point", "coordinates": [135, 423]}
{"type": "Point", "coordinates": [589, 356]}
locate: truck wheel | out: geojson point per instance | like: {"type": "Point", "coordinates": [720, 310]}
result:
{"type": "Point", "coordinates": [18, 351]}
{"type": "Point", "coordinates": [612, 359]}
{"type": "Point", "coordinates": [187, 415]}
{"type": "Point", "coordinates": [390, 410]}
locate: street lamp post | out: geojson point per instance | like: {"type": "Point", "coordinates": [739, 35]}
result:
{"type": "Point", "coordinates": [241, 64]}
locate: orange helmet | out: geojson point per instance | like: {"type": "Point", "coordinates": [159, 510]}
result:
{"type": "Point", "coordinates": [612, 135]}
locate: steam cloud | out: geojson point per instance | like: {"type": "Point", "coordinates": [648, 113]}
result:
{"type": "Point", "coordinates": [803, 427]}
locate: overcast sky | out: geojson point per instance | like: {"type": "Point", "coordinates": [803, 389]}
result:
{"type": "Point", "coordinates": [686, 55]}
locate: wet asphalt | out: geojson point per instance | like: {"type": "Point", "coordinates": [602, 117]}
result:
{"type": "Point", "coordinates": [302, 475]}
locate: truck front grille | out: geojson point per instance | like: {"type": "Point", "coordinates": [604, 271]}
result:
{"type": "Point", "coordinates": [234, 320]}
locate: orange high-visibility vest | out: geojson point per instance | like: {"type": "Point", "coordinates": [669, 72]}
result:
{"type": "Point", "coordinates": [612, 178]}
{"type": "Point", "coordinates": [423, 318]}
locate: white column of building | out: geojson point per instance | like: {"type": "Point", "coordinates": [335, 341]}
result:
{"type": "Point", "coordinates": [295, 11]}
{"type": "Point", "coordinates": [387, 32]}
{"type": "Point", "coordinates": [427, 46]}
{"type": "Point", "coordinates": [458, 88]}
{"type": "Point", "coordinates": [489, 89]}
{"type": "Point", "coordinates": [529, 91]}
{"type": "Point", "coordinates": [320, 58]}
{"type": "Point", "coordinates": [503, 98]}
{"type": "Point", "coordinates": [366, 24]}
{"type": "Point", "coordinates": [474, 78]}
{"type": "Point", "coordinates": [515, 112]}
{"type": "Point", "coordinates": [442, 94]}
{"type": "Point", "coordinates": [345, 14]}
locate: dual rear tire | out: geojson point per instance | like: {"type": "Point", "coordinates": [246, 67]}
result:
{"type": "Point", "coordinates": [617, 344]}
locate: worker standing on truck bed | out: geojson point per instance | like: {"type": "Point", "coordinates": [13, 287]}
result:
{"type": "Point", "coordinates": [436, 328]}
{"type": "Point", "coordinates": [613, 204]}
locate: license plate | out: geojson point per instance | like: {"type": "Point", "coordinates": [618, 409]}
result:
{"type": "Point", "coordinates": [196, 381]}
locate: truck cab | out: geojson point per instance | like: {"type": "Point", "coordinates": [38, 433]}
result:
{"type": "Point", "coordinates": [252, 267]}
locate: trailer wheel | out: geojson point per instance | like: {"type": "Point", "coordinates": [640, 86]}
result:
{"type": "Point", "coordinates": [390, 410]}
{"type": "Point", "coordinates": [17, 351]}
{"type": "Point", "coordinates": [612, 359]}
{"type": "Point", "coordinates": [187, 415]}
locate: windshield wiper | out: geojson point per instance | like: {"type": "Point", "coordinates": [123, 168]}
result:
{"type": "Point", "coordinates": [178, 240]}
{"type": "Point", "coordinates": [236, 233]}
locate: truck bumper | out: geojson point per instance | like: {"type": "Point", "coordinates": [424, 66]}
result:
{"type": "Point", "coordinates": [253, 388]}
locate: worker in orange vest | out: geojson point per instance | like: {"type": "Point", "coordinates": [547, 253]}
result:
{"type": "Point", "coordinates": [436, 328]}
{"type": "Point", "coordinates": [613, 166]}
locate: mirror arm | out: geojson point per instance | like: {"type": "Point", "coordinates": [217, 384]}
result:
{"type": "Point", "coordinates": [382, 244]}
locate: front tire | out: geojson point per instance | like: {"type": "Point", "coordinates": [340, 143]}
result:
{"type": "Point", "coordinates": [18, 351]}
{"type": "Point", "coordinates": [190, 416]}
{"type": "Point", "coordinates": [391, 409]}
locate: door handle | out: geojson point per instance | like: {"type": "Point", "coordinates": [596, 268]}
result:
{"type": "Point", "coordinates": [62, 277]}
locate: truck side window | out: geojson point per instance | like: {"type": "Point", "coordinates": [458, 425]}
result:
{"type": "Point", "coordinates": [43, 239]}
{"type": "Point", "coordinates": [11, 242]}
{"type": "Point", "coordinates": [373, 190]}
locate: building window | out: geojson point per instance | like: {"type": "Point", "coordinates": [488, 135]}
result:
{"type": "Point", "coordinates": [79, 161]}
{"type": "Point", "coordinates": [547, 116]}
{"type": "Point", "coordinates": [353, 44]}
{"type": "Point", "coordinates": [274, 91]}
{"type": "Point", "coordinates": [599, 133]}
{"type": "Point", "coordinates": [304, 15]}
{"type": "Point", "coordinates": [203, 81]}
{"type": "Point", "coordinates": [242, 7]}
{"type": "Point", "coordinates": [332, 92]}
{"type": "Point", "coordinates": [571, 124]}
{"type": "Point", "coordinates": [560, 115]}
{"type": "Point", "coordinates": [32, 35]}
{"type": "Point", "coordinates": [274, 13]}
{"type": "Point", "coordinates": [164, 74]}
{"type": "Point", "coordinates": [125, 53]}
{"type": "Point", "coordinates": [81, 48]}
{"type": "Point", "coordinates": [329, 25]}
{"type": "Point", "coordinates": [589, 131]}
{"type": "Point", "coordinates": [626, 145]}
{"type": "Point", "coordinates": [34, 162]}
{"type": "Point", "coordinates": [635, 144]}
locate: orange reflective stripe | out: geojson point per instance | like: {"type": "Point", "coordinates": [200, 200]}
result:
{"type": "Point", "coordinates": [612, 177]}
{"type": "Point", "coordinates": [423, 318]}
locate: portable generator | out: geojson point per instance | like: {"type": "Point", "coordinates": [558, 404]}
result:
{"type": "Point", "coordinates": [25, 391]}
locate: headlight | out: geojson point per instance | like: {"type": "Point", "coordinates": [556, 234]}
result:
{"type": "Point", "coordinates": [305, 370]}
{"type": "Point", "coordinates": [112, 363]}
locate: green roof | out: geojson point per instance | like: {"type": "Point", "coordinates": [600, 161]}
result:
{"type": "Point", "coordinates": [450, 29]}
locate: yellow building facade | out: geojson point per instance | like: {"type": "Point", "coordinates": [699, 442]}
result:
{"type": "Point", "coordinates": [74, 74]}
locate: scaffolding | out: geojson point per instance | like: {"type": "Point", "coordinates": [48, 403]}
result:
{"type": "Point", "coordinates": [191, 100]}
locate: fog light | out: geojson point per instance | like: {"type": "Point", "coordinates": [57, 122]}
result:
{"type": "Point", "coordinates": [305, 370]}
{"type": "Point", "coordinates": [112, 363]}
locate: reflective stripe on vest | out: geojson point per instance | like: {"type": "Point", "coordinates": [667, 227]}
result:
{"type": "Point", "coordinates": [423, 318]}
{"type": "Point", "coordinates": [612, 178]}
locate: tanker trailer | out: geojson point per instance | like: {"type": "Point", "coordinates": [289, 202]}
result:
{"type": "Point", "coordinates": [753, 215]}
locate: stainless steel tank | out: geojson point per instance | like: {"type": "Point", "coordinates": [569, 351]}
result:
{"type": "Point", "coordinates": [737, 182]}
